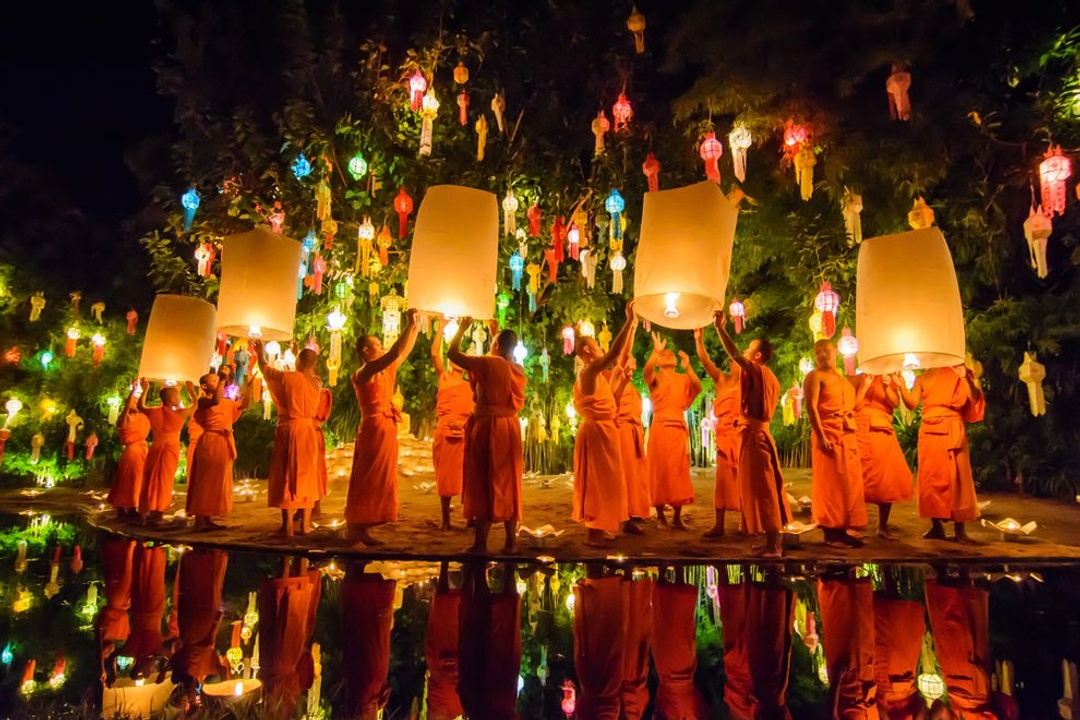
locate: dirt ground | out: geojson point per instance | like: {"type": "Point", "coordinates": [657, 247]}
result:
{"type": "Point", "coordinates": [547, 501]}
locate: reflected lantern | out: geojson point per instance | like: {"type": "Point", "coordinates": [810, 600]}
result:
{"type": "Point", "coordinates": [179, 338]}
{"type": "Point", "coordinates": [907, 304]}
{"type": "Point", "coordinates": [258, 284]}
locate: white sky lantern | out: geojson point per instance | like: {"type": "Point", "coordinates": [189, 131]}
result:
{"type": "Point", "coordinates": [684, 255]}
{"type": "Point", "coordinates": [258, 285]}
{"type": "Point", "coordinates": [179, 339]}
{"type": "Point", "coordinates": [907, 303]}
{"type": "Point", "coordinates": [455, 253]}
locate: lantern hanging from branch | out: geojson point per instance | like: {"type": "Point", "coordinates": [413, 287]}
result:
{"type": "Point", "coordinates": [684, 255]}
{"type": "Point", "coordinates": [636, 25]}
{"type": "Point", "coordinates": [517, 267]}
{"type": "Point", "coordinates": [358, 166]}
{"type": "Point", "coordinates": [622, 112]}
{"type": "Point", "coordinates": [921, 215]}
{"type": "Point", "coordinates": [510, 207]}
{"type": "Point", "coordinates": [323, 201]}
{"type": "Point", "coordinates": [848, 347]}
{"type": "Point", "coordinates": [204, 259]}
{"type": "Point", "coordinates": [827, 303]}
{"type": "Point", "coordinates": [365, 237]}
{"type": "Point", "coordinates": [301, 167]}
{"type": "Point", "coordinates": [97, 343]}
{"type": "Point", "coordinates": [614, 204]}
{"type": "Point", "coordinates": [534, 214]}
{"type": "Point", "coordinates": [417, 87]}
{"type": "Point", "coordinates": [651, 169]}
{"type": "Point", "coordinates": [600, 126]}
{"type": "Point", "coordinates": [37, 304]}
{"type": "Point", "coordinates": [190, 202]}
{"type": "Point", "coordinates": [132, 319]}
{"type": "Point", "coordinates": [589, 260]}
{"type": "Point", "coordinates": [568, 337]}
{"type": "Point", "coordinates": [384, 241]}
{"type": "Point", "coordinates": [428, 110]}
{"type": "Point", "coordinates": [1037, 229]}
{"type": "Point", "coordinates": [502, 305]}
{"type": "Point", "coordinates": [71, 341]}
{"type": "Point", "coordinates": [1054, 171]}
{"type": "Point", "coordinates": [618, 265]}
{"type": "Point", "coordinates": [335, 323]}
{"type": "Point", "coordinates": [498, 106]}
{"type": "Point", "coordinates": [795, 137]}
{"type": "Point", "coordinates": [897, 86]}
{"type": "Point", "coordinates": [258, 269]}
{"type": "Point", "coordinates": [179, 339]}
{"type": "Point", "coordinates": [558, 238]}
{"type": "Point", "coordinates": [1032, 374]}
{"type": "Point", "coordinates": [852, 210]}
{"type": "Point", "coordinates": [805, 160]}
{"type": "Point", "coordinates": [276, 218]}
{"type": "Point", "coordinates": [533, 287]}
{"type": "Point", "coordinates": [573, 242]}
{"type": "Point", "coordinates": [710, 151]}
{"type": "Point", "coordinates": [403, 206]}
{"type": "Point", "coordinates": [737, 311]}
{"type": "Point", "coordinates": [481, 128]}
{"type": "Point", "coordinates": [391, 316]}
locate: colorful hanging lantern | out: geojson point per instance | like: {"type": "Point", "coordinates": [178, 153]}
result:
{"type": "Point", "coordinates": [403, 206]}
{"type": "Point", "coordinates": [795, 137]}
{"type": "Point", "coordinates": [614, 206]}
{"type": "Point", "coordinates": [301, 167]}
{"type": "Point", "coordinates": [37, 304]}
{"type": "Point", "coordinates": [14, 405]}
{"type": "Point", "coordinates": [428, 110]}
{"type": "Point", "coordinates": [502, 304]}
{"type": "Point", "coordinates": [651, 169]}
{"type": "Point", "coordinates": [828, 303]}
{"type": "Point", "coordinates": [97, 310]}
{"type": "Point", "coordinates": [1037, 229]}
{"type": "Point", "coordinates": [132, 318]}
{"type": "Point", "coordinates": [276, 218]}
{"type": "Point", "coordinates": [618, 264]}
{"type": "Point", "coordinates": [73, 335]}
{"type": "Point", "coordinates": [97, 342]}
{"type": "Point", "coordinates": [604, 338]}
{"type": "Point", "coordinates": [1054, 171]}
{"type": "Point", "coordinates": [739, 140]}
{"type": "Point", "coordinates": [365, 237]}
{"type": "Point", "coordinates": [573, 242]}
{"type": "Point", "coordinates": [335, 323]}
{"type": "Point", "coordinates": [481, 128]}
{"type": "Point", "coordinates": [806, 365]}
{"type": "Point", "coordinates": [384, 241]}
{"type": "Point", "coordinates": [897, 86]}
{"type": "Point", "coordinates": [391, 316]}
{"type": "Point", "coordinates": [358, 166]}
{"type": "Point", "coordinates": [848, 347]}
{"type": "Point", "coordinates": [90, 444]}
{"type": "Point", "coordinates": [568, 337]}
{"type": "Point", "coordinates": [498, 106]}
{"type": "Point", "coordinates": [510, 207]}
{"type": "Point", "coordinates": [190, 202]}
{"type": "Point", "coordinates": [636, 25]}
{"type": "Point", "coordinates": [1032, 374]}
{"type": "Point", "coordinates": [552, 265]}
{"type": "Point", "coordinates": [622, 112]}
{"type": "Point", "coordinates": [204, 259]}
{"type": "Point", "coordinates": [545, 366]}
{"type": "Point", "coordinates": [737, 311]}
{"type": "Point", "coordinates": [520, 353]}
{"type": "Point", "coordinates": [113, 403]}
{"type": "Point", "coordinates": [710, 151]}
{"type": "Point", "coordinates": [852, 210]}
{"type": "Point", "coordinates": [586, 328]}
{"type": "Point", "coordinates": [533, 288]}
{"type": "Point", "coordinates": [534, 214]}
{"type": "Point", "coordinates": [46, 359]}
{"type": "Point", "coordinates": [417, 87]}
{"type": "Point", "coordinates": [589, 260]}
{"type": "Point", "coordinates": [921, 215]}
{"type": "Point", "coordinates": [517, 267]}
{"type": "Point", "coordinates": [805, 160]}
{"type": "Point", "coordinates": [323, 200]}
{"type": "Point", "coordinates": [461, 73]}
{"type": "Point", "coordinates": [463, 108]}
{"type": "Point", "coordinates": [600, 126]}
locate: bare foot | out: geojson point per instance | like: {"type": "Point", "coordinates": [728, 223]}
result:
{"type": "Point", "coordinates": [885, 534]}
{"type": "Point", "coordinates": [631, 528]}
{"type": "Point", "coordinates": [764, 551]}
{"type": "Point", "coordinates": [936, 532]}
{"type": "Point", "coordinates": [714, 532]}
{"type": "Point", "coordinates": [678, 524]}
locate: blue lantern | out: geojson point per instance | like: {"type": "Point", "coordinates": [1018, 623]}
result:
{"type": "Point", "coordinates": [517, 265]}
{"type": "Point", "coordinates": [46, 359]}
{"type": "Point", "coordinates": [301, 167]}
{"type": "Point", "coordinates": [615, 205]}
{"type": "Point", "coordinates": [190, 202]}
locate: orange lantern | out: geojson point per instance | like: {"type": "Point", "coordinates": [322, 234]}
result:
{"type": "Point", "coordinates": [710, 151]}
{"type": "Point", "coordinates": [403, 205]}
{"type": "Point", "coordinates": [636, 25]}
{"type": "Point", "coordinates": [1053, 172]}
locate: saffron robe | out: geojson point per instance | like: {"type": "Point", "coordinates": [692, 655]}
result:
{"type": "Point", "coordinates": [441, 655]}
{"type": "Point", "coordinates": [674, 650]}
{"type": "Point", "coordinates": [199, 611]}
{"type": "Point", "coordinates": [147, 603]}
{"type": "Point", "coordinates": [837, 492]}
{"type": "Point", "coordinates": [373, 490]}
{"type": "Point", "coordinates": [770, 613]}
{"type": "Point", "coordinates": [453, 408]}
{"type": "Point", "coordinates": [899, 626]}
{"type": "Point", "coordinates": [194, 432]}
{"type": "Point", "coordinates": [847, 618]}
{"type": "Point", "coordinates": [886, 475]}
{"type": "Point", "coordinates": [733, 608]}
{"type": "Point", "coordinates": [599, 490]}
{"type": "Point", "coordinates": [599, 643]}
{"type": "Point", "coordinates": [635, 464]}
{"type": "Point", "coordinates": [669, 440]}
{"type": "Point", "coordinates": [761, 484]}
{"type": "Point", "coordinates": [287, 609]}
{"type": "Point", "coordinates": [112, 622]}
{"type": "Point", "coordinates": [127, 482]}
{"type": "Point", "coordinates": [367, 614]}
{"type": "Point", "coordinates": [946, 484]}
{"type": "Point", "coordinates": [490, 650]}
{"type": "Point", "coordinates": [326, 402]}
{"type": "Point", "coordinates": [210, 489]}
{"type": "Point", "coordinates": [159, 473]}
{"type": "Point", "coordinates": [726, 410]}
{"type": "Point", "coordinates": [635, 665]}
{"type": "Point", "coordinates": [493, 454]}
{"type": "Point", "coordinates": [960, 621]}
{"type": "Point", "coordinates": [294, 462]}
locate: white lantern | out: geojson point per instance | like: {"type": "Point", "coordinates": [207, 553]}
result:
{"type": "Point", "coordinates": [179, 339]}
{"type": "Point", "coordinates": [455, 253]}
{"type": "Point", "coordinates": [684, 255]}
{"type": "Point", "coordinates": [907, 304]}
{"type": "Point", "coordinates": [258, 285]}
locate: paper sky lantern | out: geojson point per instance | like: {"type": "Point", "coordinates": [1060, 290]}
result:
{"type": "Point", "coordinates": [179, 338]}
{"type": "Point", "coordinates": [455, 252]}
{"type": "Point", "coordinates": [258, 276]}
{"type": "Point", "coordinates": [684, 255]}
{"type": "Point", "coordinates": [907, 304]}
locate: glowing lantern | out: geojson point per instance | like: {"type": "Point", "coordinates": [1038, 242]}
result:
{"type": "Point", "coordinates": [651, 168]}
{"type": "Point", "coordinates": [73, 334]}
{"type": "Point", "coordinates": [573, 242]}
{"type": "Point", "coordinates": [510, 207]}
{"type": "Point", "coordinates": [461, 73]}
{"type": "Point", "coordinates": [498, 106]}
{"type": "Point", "coordinates": [684, 255]}
{"type": "Point", "coordinates": [46, 359]}
{"type": "Point", "coordinates": [37, 304]}
{"type": "Point", "coordinates": [258, 269]}
{"type": "Point", "coordinates": [828, 303]}
{"type": "Point", "coordinates": [568, 704]}
{"type": "Point", "coordinates": [335, 323]}
{"type": "Point", "coordinates": [13, 356]}
{"type": "Point", "coordinates": [897, 86]}
{"type": "Point", "coordinates": [921, 215]}
{"type": "Point", "coordinates": [454, 261]}
{"type": "Point", "coordinates": [391, 316]}
{"type": "Point", "coordinates": [463, 107]}
{"type": "Point", "coordinates": [618, 264]}
{"type": "Point", "coordinates": [1053, 172]}
{"type": "Point", "coordinates": [481, 128]}
{"type": "Point", "coordinates": [97, 342]}
{"type": "Point", "coordinates": [737, 311]}
{"type": "Point", "coordinates": [276, 218]}
{"type": "Point", "coordinates": [179, 339]}
{"type": "Point", "coordinates": [365, 237]}
{"type": "Point", "coordinates": [931, 686]}
{"type": "Point", "coordinates": [517, 266]}
{"type": "Point", "coordinates": [795, 136]}
{"type": "Point", "coordinates": [814, 322]}
{"type": "Point", "coordinates": [710, 151]}
{"type": "Point", "coordinates": [568, 340]}
{"type": "Point", "coordinates": [614, 206]}
{"type": "Point", "coordinates": [358, 166]}
{"type": "Point", "coordinates": [417, 86]}
{"type": "Point", "coordinates": [586, 328]}
{"type": "Point", "coordinates": [113, 403]}
{"type": "Point", "coordinates": [806, 365]}
{"type": "Point", "coordinates": [622, 112]}
{"type": "Point", "coordinates": [852, 210]}
{"type": "Point", "coordinates": [91, 444]}
{"type": "Point", "coordinates": [428, 110]}
{"type": "Point", "coordinates": [301, 167]}
{"type": "Point", "coordinates": [600, 125]}
{"type": "Point", "coordinates": [636, 25]}
{"type": "Point", "coordinates": [204, 259]}
{"type": "Point", "coordinates": [384, 241]}
{"type": "Point", "coordinates": [403, 206]}
{"type": "Point", "coordinates": [848, 347]}
{"type": "Point", "coordinates": [190, 202]}
{"type": "Point", "coordinates": [1032, 373]}
{"type": "Point", "coordinates": [533, 287]}
{"type": "Point", "coordinates": [805, 160]}
{"type": "Point", "coordinates": [502, 304]}
{"type": "Point", "coordinates": [604, 338]}
{"type": "Point", "coordinates": [534, 214]}
{"type": "Point", "coordinates": [520, 353]}
{"type": "Point", "coordinates": [1037, 229]}
{"type": "Point", "coordinates": [907, 303]}
{"type": "Point", "coordinates": [12, 406]}
{"type": "Point", "coordinates": [739, 140]}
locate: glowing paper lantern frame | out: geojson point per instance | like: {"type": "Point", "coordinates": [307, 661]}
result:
{"type": "Point", "coordinates": [179, 339]}
{"type": "Point", "coordinates": [258, 284]}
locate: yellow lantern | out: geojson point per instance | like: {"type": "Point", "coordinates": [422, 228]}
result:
{"type": "Point", "coordinates": [907, 304]}
{"type": "Point", "coordinates": [455, 252]}
{"type": "Point", "coordinates": [179, 339]}
{"type": "Point", "coordinates": [684, 255]}
{"type": "Point", "coordinates": [258, 285]}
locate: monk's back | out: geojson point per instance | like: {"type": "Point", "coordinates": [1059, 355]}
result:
{"type": "Point", "coordinates": [670, 394]}
{"type": "Point", "coordinates": [299, 397]}
{"type": "Point", "coordinates": [727, 401]}
{"type": "Point", "coordinates": [599, 405]}
{"type": "Point", "coordinates": [629, 405]}
{"type": "Point", "coordinates": [498, 385]}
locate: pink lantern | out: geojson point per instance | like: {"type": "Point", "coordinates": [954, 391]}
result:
{"type": "Point", "coordinates": [1053, 172]}
{"type": "Point", "coordinates": [848, 346]}
{"type": "Point", "coordinates": [651, 168]}
{"type": "Point", "coordinates": [795, 136]}
{"type": "Point", "coordinates": [710, 151]}
{"type": "Point", "coordinates": [568, 340]}
{"type": "Point", "coordinates": [737, 311]}
{"type": "Point", "coordinates": [622, 111]}
{"type": "Point", "coordinates": [417, 88]}
{"type": "Point", "coordinates": [828, 303]}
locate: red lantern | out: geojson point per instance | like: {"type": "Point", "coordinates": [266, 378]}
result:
{"type": "Point", "coordinates": [417, 88]}
{"type": "Point", "coordinates": [710, 151]}
{"type": "Point", "coordinates": [828, 302]}
{"type": "Point", "coordinates": [463, 108]}
{"type": "Point", "coordinates": [13, 355]}
{"type": "Point", "coordinates": [552, 265]}
{"type": "Point", "coordinates": [795, 136]}
{"type": "Point", "coordinates": [91, 444]}
{"type": "Point", "coordinates": [737, 311]}
{"type": "Point", "coordinates": [98, 343]}
{"type": "Point", "coordinates": [1053, 172]}
{"type": "Point", "coordinates": [72, 339]}
{"type": "Point", "coordinates": [534, 214]}
{"type": "Point", "coordinates": [622, 111]}
{"type": "Point", "coordinates": [132, 318]}
{"type": "Point", "coordinates": [651, 168]}
{"type": "Point", "coordinates": [403, 205]}
{"type": "Point", "coordinates": [568, 340]}
{"type": "Point", "coordinates": [558, 237]}
{"type": "Point", "coordinates": [4, 435]}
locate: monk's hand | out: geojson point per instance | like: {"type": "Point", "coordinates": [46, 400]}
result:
{"type": "Point", "coordinates": [684, 359]}
{"type": "Point", "coordinates": [697, 335]}
{"type": "Point", "coordinates": [144, 384]}
{"type": "Point", "coordinates": [411, 316]}
{"type": "Point", "coordinates": [463, 325]}
{"type": "Point", "coordinates": [659, 344]}
{"type": "Point", "coordinates": [719, 320]}
{"type": "Point", "coordinates": [255, 346]}
{"type": "Point", "coordinates": [825, 443]}
{"type": "Point", "coordinates": [631, 311]}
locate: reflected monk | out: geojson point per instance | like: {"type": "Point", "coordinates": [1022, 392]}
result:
{"type": "Point", "coordinates": [635, 665]}
{"type": "Point", "coordinates": [493, 454]}
{"type": "Point", "coordinates": [294, 464]}
{"type": "Point", "coordinates": [674, 649]}
{"type": "Point", "coordinates": [635, 464]}
{"type": "Point", "coordinates": [733, 606]}
{"type": "Point", "coordinates": [367, 615]}
{"type": "Point", "coordinates": [132, 429]}
{"type": "Point", "coordinates": [599, 643]}
{"type": "Point", "coordinates": [672, 394]}
{"type": "Point", "coordinates": [950, 398]}
{"type": "Point", "coordinates": [112, 624]}
{"type": "Point", "coordinates": [453, 408]}
{"type": "Point", "coordinates": [490, 650]}
{"type": "Point", "coordinates": [287, 606]}
{"type": "Point", "coordinates": [727, 389]}
{"type": "Point", "coordinates": [373, 490]}
{"type": "Point", "coordinates": [210, 490]}
{"type": "Point", "coordinates": [199, 613]}
{"type": "Point", "coordinates": [960, 620]}
{"type": "Point", "coordinates": [847, 618]}
{"type": "Point", "coordinates": [886, 476]}
{"type": "Point", "coordinates": [899, 627]}
{"type": "Point", "coordinates": [326, 403]}
{"type": "Point", "coordinates": [770, 614]}
{"type": "Point", "coordinates": [159, 472]}
{"type": "Point", "coordinates": [146, 644]}
{"type": "Point", "coordinates": [761, 484]}
{"type": "Point", "coordinates": [441, 650]}
{"type": "Point", "coordinates": [838, 503]}
{"type": "Point", "coordinates": [599, 488]}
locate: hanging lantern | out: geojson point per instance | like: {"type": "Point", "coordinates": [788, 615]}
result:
{"type": "Point", "coordinates": [622, 112]}
{"type": "Point", "coordinates": [37, 304]}
{"type": "Point", "coordinates": [739, 140]}
{"type": "Point", "coordinates": [600, 126]}
{"type": "Point", "coordinates": [276, 218]}
{"type": "Point", "coordinates": [614, 206]}
{"type": "Point", "coordinates": [1054, 171]}
{"type": "Point", "coordinates": [510, 207]}
{"type": "Point", "coordinates": [737, 311]}
{"type": "Point", "coordinates": [190, 202]}
{"type": "Point", "coordinates": [365, 237]}
{"type": "Point", "coordinates": [301, 167]}
{"type": "Point", "coordinates": [335, 323]}
{"type": "Point", "coordinates": [828, 303]}
{"type": "Point", "coordinates": [1032, 374]}
{"type": "Point", "coordinates": [113, 403]}
{"type": "Point", "coordinates": [502, 305]}
{"type": "Point", "coordinates": [1037, 229]}
{"type": "Point", "coordinates": [618, 264]}
{"type": "Point", "coordinates": [897, 86]}
{"type": "Point", "coordinates": [848, 347]}
{"type": "Point", "coordinates": [481, 128]}
{"type": "Point", "coordinates": [636, 25]}
{"type": "Point", "coordinates": [463, 108]}
{"type": "Point", "coordinates": [461, 73]}
{"type": "Point", "coordinates": [815, 324]}
{"type": "Point", "coordinates": [318, 269]}
{"type": "Point", "coordinates": [498, 106]}
{"type": "Point", "coordinates": [97, 342]}
{"type": "Point", "coordinates": [795, 137]}
{"type": "Point", "coordinates": [558, 238]}
{"type": "Point", "coordinates": [358, 166]}
{"type": "Point", "coordinates": [323, 201]}
{"type": "Point", "coordinates": [132, 319]}
{"type": "Point", "coordinates": [403, 206]}
{"type": "Point", "coordinates": [588, 267]}
{"type": "Point", "coordinates": [517, 266]}
{"type": "Point", "coordinates": [417, 87]}
{"type": "Point", "coordinates": [805, 160]}
{"type": "Point", "coordinates": [534, 214]}
{"type": "Point", "coordinates": [179, 339]}
{"type": "Point", "coordinates": [204, 259]}
{"type": "Point", "coordinates": [710, 151]}
{"type": "Point", "coordinates": [14, 405]}
{"type": "Point", "coordinates": [806, 365]}
{"type": "Point", "coordinates": [552, 265]}
{"type": "Point", "coordinates": [72, 338]}
{"type": "Point", "coordinates": [921, 215]}
{"type": "Point", "coordinates": [391, 317]}
{"type": "Point", "coordinates": [90, 444]}
{"type": "Point", "coordinates": [533, 287]}
{"type": "Point", "coordinates": [545, 369]}
{"type": "Point", "coordinates": [651, 168]}
{"type": "Point", "coordinates": [568, 340]}
{"type": "Point", "coordinates": [97, 310]}
{"type": "Point", "coordinates": [428, 110]}
{"type": "Point", "coordinates": [573, 242]}
{"type": "Point", "coordinates": [258, 269]}
{"type": "Point", "coordinates": [586, 328]}
{"type": "Point", "coordinates": [383, 241]}
{"type": "Point", "coordinates": [852, 210]}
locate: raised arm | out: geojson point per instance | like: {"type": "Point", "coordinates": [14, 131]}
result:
{"type": "Point", "coordinates": [219, 392]}
{"type": "Point", "coordinates": [436, 348]}
{"type": "Point", "coordinates": [144, 387]}
{"type": "Point", "coordinates": [649, 371]}
{"type": "Point", "coordinates": [710, 367]}
{"type": "Point", "coordinates": [812, 390]}
{"type": "Point", "coordinates": [911, 397]}
{"type": "Point", "coordinates": [862, 385]}
{"type": "Point", "coordinates": [720, 323]}
{"type": "Point", "coordinates": [589, 373]}
{"type": "Point", "coordinates": [695, 381]}
{"type": "Point", "coordinates": [454, 354]}
{"type": "Point", "coordinates": [129, 403]}
{"type": "Point", "coordinates": [397, 352]}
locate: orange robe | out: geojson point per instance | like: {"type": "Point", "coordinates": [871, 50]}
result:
{"type": "Point", "coordinates": [726, 406]}
{"type": "Point", "coordinates": [733, 606]}
{"type": "Point", "coordinates": [635, 666]}
{"type": "Point", "coordinates": [326, 402]}
{"type": "Point", "coordinates": [373, 491]}
{"type": "Point", "coordinates": [599, 643]}
{"type": "Point", "coordinates": [147, 603]}
{"type": "Point", "coordinates": [210, 489]}
{"type": "Point", "coordinates": [453, 408]}
{"type": "Point", "coordinates": [162, 459]}
{"type": "Point", "coordinates": [669, 440]}
{"type": "Point", "coordinates": [286, 620]}
{"type": "Point", "coordinates": [199, 611]}
{"type": "Point", "coordinates": [635, 465]}
{"type": "Point", "coordinates": [294, 463]}
{"type": "Point", "coordinates": [770, 613]}
{"type": "Point", "coordinates": [886, 475]}
{"type": "Point", "coordinates": [116, 562]}
{"type": "Point", "coordinates": [441, 655]}
{"type": "Point", "coordinates": [194, 432]}
{"type": "Point", "coordinates": [837, 492]}
{"type": "Point", "coordinates": [493, 454]}
{"type": "Point", "coordinates": [128, 480]}
{"type": "Point", "coordinates": [490, 650]}
{"type": "Point", "coordinates": [367, 614]}
{"type": "Point", "coordinates": [674, 650]}
{"type": "Point", "coordinates": [847, 618]}
{"type": "Point", "coordinates": [599, 490]}
{"type": "Point", "coordinates": [960, 620]}
{"type": "Point", "coordinates": [899, 626]}
{"type": "Point", "coordinates": [761, 484]}
{"type": "Point", "coordinates": [946, 485]}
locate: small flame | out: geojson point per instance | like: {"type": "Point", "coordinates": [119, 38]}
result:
{"type": "Point", "coordinates": [671, 300]}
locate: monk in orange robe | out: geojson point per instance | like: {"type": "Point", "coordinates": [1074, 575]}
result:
{"type": "Point", "coordinates": [199, 613]}
{"type": "Point", "coordinates": [326, 402]}
{"type": "Point", "coordinates": [635, 665]}
{"type": "Point", "coordinates": [635, 464]}
{"type": "Point", "coordinates": [599, 635]}
{"type": "Point", "coordinates": [847, 617]}
{"type": "Point", "coordinates": [194, 432]}
{"type": "Point", "coordinates": [166, 422]}
{"type": "Point", "coordinates": [373, 492]}
{"type": "Point", "coordinates": [441, 650]}
{"type": "Point", "coordinates": [132, 428]}
{"type": "Point", "coordinates": [287, 606]}
{"type": "Point", "coordinates": [599, 489]}
{"type": "Point", "coordinates": [672, 394]}
{"type": "Point", "coordinates": [490, 648]}
{"type": "Point", "coordinates": [210, 490]}
{"type": "Point", "coordinates": [493, 454]}
{"type": "Point", "coordinates": [674, 650]}
{"type": "Point", "coordinates": [294, 463]}
{"type": "Point", "coordinates": [886, 476]}
{"type": "Point", "coordinates": [367, 615]}
{"type": "Point", "coordinates": [727, 389]}
{"type": "Point", "coordinates": [960, 621]}
{"type": "Point", "coordinates": [146, 642]}
{"type": "Point", "coordinates": [733, 607]}
{"type": "Point", "coordinates": [838, 503]}
{"type": "Point", "coordinates": [761, 484]}
{"type": "Point", "coordinates": [453, 408]}
{"type": "Point", "coordinates": [112, 624]}
{"type": "Point", "coordinates": [899, 626]}
{"type": "Point", "coordinates": [770, 614]}
{"type": "Point", "coordinates": [950, 398]}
